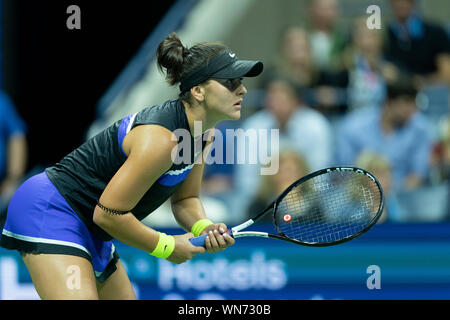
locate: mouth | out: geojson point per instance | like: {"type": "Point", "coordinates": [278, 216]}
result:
{"type": "Point", "coordinates": [238, 104]}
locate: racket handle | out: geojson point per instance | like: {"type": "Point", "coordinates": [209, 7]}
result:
{"type": "Point", "coordinates": [199, 241]}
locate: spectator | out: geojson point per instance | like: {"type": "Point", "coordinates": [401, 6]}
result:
{"type": "Point", "coordinates": [328, 40]}
{"type": "Point", "coordinates": [322, 89]}
{"type": "Point", "coordinates": [418, 48]}
{"type": "Point", "coordinates": [300, 127]}
{"type": "Point", "coordinates": [292, 166]}
{"type": "Point", "coordinates": [379, 166]}
{"type": "Point", "coordinates": [295, 60]}
{"type": "Point", "coordinates": [364, 62]}
{"type": "Point", "coordinates": [13, 151]}
{"type": "Point", "coordinates": [397, 131]}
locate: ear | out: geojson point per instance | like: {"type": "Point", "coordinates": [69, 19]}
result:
{"type": "Point", "coordinates": [198, 93]}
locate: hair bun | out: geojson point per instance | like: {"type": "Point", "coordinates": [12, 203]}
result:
{"type": "Point", "coordinates": [170, 56]}
{"type": "Point", "coordinates": [177, 61]}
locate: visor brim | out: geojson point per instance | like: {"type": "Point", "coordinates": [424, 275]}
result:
{"type": "Point", "coordinates": [239, 69]}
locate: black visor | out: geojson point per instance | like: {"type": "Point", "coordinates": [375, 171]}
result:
{"type": "Point", "coordinates": [223, 66]}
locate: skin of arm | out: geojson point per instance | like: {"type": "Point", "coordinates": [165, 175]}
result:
{"type": "Point", "coordinates": [187, 207]}
{"type": "Point", "coordinates": [149, 155]}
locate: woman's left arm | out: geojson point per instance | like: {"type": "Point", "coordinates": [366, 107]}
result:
{"type": "Point", "coordinates": [188, 209]}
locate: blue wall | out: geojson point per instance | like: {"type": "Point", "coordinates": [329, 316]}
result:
{"type": "Point", "coordinates": [413, 259]}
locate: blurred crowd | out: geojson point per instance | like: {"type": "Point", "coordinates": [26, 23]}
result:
{"type": "Point", "coordinates": [339, 96]}
{"type": "Point", "coordinates": [357, 96]}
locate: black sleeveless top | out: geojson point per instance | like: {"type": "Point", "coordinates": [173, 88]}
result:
{"type": "Point", "coordinates": [82, 175]}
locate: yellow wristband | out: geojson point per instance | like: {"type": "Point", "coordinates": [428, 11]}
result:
{"type": "Point", "coordinates": [165, 246]}
{"type": "Point", "coordinates": [199, 226]}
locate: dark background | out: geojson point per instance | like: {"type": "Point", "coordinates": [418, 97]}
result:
{"type": "Point", "coordinates": [56, 76]}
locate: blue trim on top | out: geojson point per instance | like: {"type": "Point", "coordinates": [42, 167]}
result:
{"type": "Point", "coordinates": [122, 132]}
{"type": "Point", "coordinates": [171, 178]}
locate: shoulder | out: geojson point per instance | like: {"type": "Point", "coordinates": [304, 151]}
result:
{"type": "Point", "coordinates": [433, 27]}
{"type": "Point", "coordinates": [165, 107]}
{"type": "Point", "coordinates": [166, 114]}
{"type": "Point", "coordinates": [150, 140]}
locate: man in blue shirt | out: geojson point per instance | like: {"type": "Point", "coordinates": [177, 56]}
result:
{"type": "Point", "coordinates": [396, 131]}
{"type": "Point", "coordinates": [13, 150]}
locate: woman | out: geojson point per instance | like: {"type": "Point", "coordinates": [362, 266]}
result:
{"type": "Point", "coordinates": [64, 218]}
{"type": "Point", "coordinates": [365, 66]}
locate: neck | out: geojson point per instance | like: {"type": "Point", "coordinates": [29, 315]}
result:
{"type": "Point", "coordinates": [198, 113]}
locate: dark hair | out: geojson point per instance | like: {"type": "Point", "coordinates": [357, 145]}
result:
{"type": "Point", "coordinates": [177, 61]}
{"type": "Point", "coordinates": [401, 89]}
{"type": "Point", "coordinates": [273, 76]}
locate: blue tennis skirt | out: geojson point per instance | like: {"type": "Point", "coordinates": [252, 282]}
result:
{"type": "Point", "coordinates": [39, 220]}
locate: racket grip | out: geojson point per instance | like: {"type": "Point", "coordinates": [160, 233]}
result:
{"type": "Point", "coordinates": [199, 241]}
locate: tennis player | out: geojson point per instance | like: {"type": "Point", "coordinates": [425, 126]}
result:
{"type": "Point", "coordinates": [63, 219]}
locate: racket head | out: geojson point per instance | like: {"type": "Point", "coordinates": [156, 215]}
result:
{"type": "Point", "coordinates": [328, 207]}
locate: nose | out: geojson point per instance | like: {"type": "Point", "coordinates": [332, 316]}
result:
{"type": "Point", "coordinates": [242, 90]}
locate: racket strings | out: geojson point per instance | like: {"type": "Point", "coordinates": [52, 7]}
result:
{"type": "Point", "coordinates": [328, 207]}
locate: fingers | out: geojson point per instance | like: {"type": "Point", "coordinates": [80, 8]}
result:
{"type": "Point", "coordinates": [218, 241]}
{"type": "Point", "coordinates": [219, 226]}
{"type": "Point", "coordinates": [229, 239]}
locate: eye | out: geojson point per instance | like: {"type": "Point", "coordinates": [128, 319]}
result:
{"type": "Point", "coordinates": [234, 83]}
{"type": "Point", "coordinates": [231, 84]}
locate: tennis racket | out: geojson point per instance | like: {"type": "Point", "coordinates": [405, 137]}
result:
{"type": "Point", "coordinates": [324, 208]}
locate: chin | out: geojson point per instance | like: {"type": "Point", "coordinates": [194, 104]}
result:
{"type": "Point", "coordinates": [235, 115]}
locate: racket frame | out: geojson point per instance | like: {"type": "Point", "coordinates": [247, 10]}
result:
{"type": "Point", "coordinates": [237, 233]}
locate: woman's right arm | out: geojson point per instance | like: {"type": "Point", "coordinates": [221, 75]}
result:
{"type": "Point", "coordinates": [149, 150]}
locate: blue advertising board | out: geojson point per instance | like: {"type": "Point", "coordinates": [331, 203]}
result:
{"type": "Point", "coordinates": [391, 261]}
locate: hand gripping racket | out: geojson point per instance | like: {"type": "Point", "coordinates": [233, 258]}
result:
{"type": "Point", "coordinates": [324, 208]}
